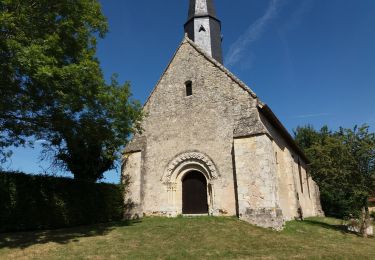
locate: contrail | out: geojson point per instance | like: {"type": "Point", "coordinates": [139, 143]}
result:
{"type": "Point", "coordinates": [253, 33]}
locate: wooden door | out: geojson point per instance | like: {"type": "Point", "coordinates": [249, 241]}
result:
{"type": "Point", "coordinates": [194, 194]}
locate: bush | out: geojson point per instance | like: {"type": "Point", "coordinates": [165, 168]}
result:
{"type": "Point", "coordinates": [372, 214]}
{"type": "Point", "coordinates": [30, 202]}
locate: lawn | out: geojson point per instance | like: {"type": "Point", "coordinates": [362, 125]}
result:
{"type": "Point", "coordinates": [187, 238]}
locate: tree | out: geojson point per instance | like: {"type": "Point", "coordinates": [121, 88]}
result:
{"type": "Point", "coordinates": [88, 145]}
{"type": "Point", "coordinates": [343, 164]}
{"type": "Point", "coordinates": [52, 86]}
{"type": "Point", "coordinates": [306, 136]}
{"type": "Point", "coordinates": [361, 144]}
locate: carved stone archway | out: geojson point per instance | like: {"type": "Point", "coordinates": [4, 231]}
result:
{"type": "Point", "coordinates": [190, 158]}
{"type": "Point", "coordinates": [175, 171]}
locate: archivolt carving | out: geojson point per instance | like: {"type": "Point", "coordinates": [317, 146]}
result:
{"type": "Point", "coordinates": [190, 158]}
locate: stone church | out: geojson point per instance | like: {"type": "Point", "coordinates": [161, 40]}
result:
{"type": "Point", "coordinates": [209, 146]}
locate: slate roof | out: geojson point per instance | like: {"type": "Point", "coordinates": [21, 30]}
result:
{"type": "Point", "coordinates": [210, 9]}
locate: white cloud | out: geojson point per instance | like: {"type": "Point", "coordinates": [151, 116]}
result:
{"type": "Point", "coordinates": [253, 33]}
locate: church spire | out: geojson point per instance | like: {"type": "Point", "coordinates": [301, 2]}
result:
{"type": "Point", "coordinates": [204, 28]}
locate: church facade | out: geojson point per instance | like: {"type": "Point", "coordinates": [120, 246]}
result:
{"type": "Point", "coordinates": [210, 146]}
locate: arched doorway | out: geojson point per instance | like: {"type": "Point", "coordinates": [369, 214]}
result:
{"type": "Point", "coordinates": [194, 193]}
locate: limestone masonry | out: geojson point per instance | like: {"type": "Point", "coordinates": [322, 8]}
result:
{"type": "Point", "coordinates": [210, 146]}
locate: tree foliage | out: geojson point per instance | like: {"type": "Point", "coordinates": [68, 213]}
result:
{"type": "Point", "coordinates": [52, 86]}
{"type": "Point", "coordinates": [88, 145]}
{"type": "Point", "coordinates": [343, 164]}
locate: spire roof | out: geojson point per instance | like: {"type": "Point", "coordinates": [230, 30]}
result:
{"type": "Point", "coordinates": [204, 28]}
{"type": "Point", "coordinates": [201, 8]}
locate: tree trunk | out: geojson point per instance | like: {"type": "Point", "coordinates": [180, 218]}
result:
{"type": "Point", "coordinates": [365, 219]}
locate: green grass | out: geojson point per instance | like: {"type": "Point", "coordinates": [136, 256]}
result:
{"type": "Point", "coordinates": [190, 238]}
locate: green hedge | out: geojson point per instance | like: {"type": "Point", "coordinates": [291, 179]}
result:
{"type": "Point", "coordinates": [29, 202]}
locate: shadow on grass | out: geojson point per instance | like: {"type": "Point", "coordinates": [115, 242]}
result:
{"type": "Point", "coordinates": [23, 240]}
{"type": "Point", "coordinates": [340, 228]}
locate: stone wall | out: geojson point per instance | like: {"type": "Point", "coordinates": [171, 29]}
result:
{"type": "Point", "coordinates": [203, 123]}
{"type": "Point", "coordinates": [298, 192]}
{"type": "Point", "coordinates": [218, 131]}
{"type": "Point", "coordinates": [131, 178]}
{"type": "Point", "coordinates": [257, 181]}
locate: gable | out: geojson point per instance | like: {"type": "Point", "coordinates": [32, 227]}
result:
{"type": "Point", "coordinates": [189, 51]}
{"type": "Point", "coordinates": [220, 100]}
{"type": "Point", "coordinates": [214, 87]}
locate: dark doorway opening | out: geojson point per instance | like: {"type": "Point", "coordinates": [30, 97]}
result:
{"type": "Point", "coordinates": [194, 194]}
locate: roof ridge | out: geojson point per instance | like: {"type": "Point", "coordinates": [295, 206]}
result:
{"type": "Point", "coordinates": [264, 107]}
{"type": "Point", "coordinates": [165, 70]}
{"type": "Point", "coordinates": [221, 67]}
{"type": "Point", "coordinates": [209, 58]}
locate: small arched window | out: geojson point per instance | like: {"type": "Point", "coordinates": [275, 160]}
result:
{"type": "Point", "coordinates": [189, 88]}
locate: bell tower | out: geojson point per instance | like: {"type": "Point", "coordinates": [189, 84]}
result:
{"type": "Point", "coordinates": [204, 28]}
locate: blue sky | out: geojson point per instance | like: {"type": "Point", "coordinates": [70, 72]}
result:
{"type": "Point", "coordinates": [311, 61]}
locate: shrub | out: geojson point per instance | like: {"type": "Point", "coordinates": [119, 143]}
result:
{"type": "Point", "coordinates": [29, 202]}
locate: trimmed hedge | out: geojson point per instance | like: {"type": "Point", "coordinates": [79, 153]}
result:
{"type": "Point", "coordinates": [29, 202]}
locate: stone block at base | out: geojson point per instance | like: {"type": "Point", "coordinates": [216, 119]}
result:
{"type": "Point", "coordinates": [264, 217]}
